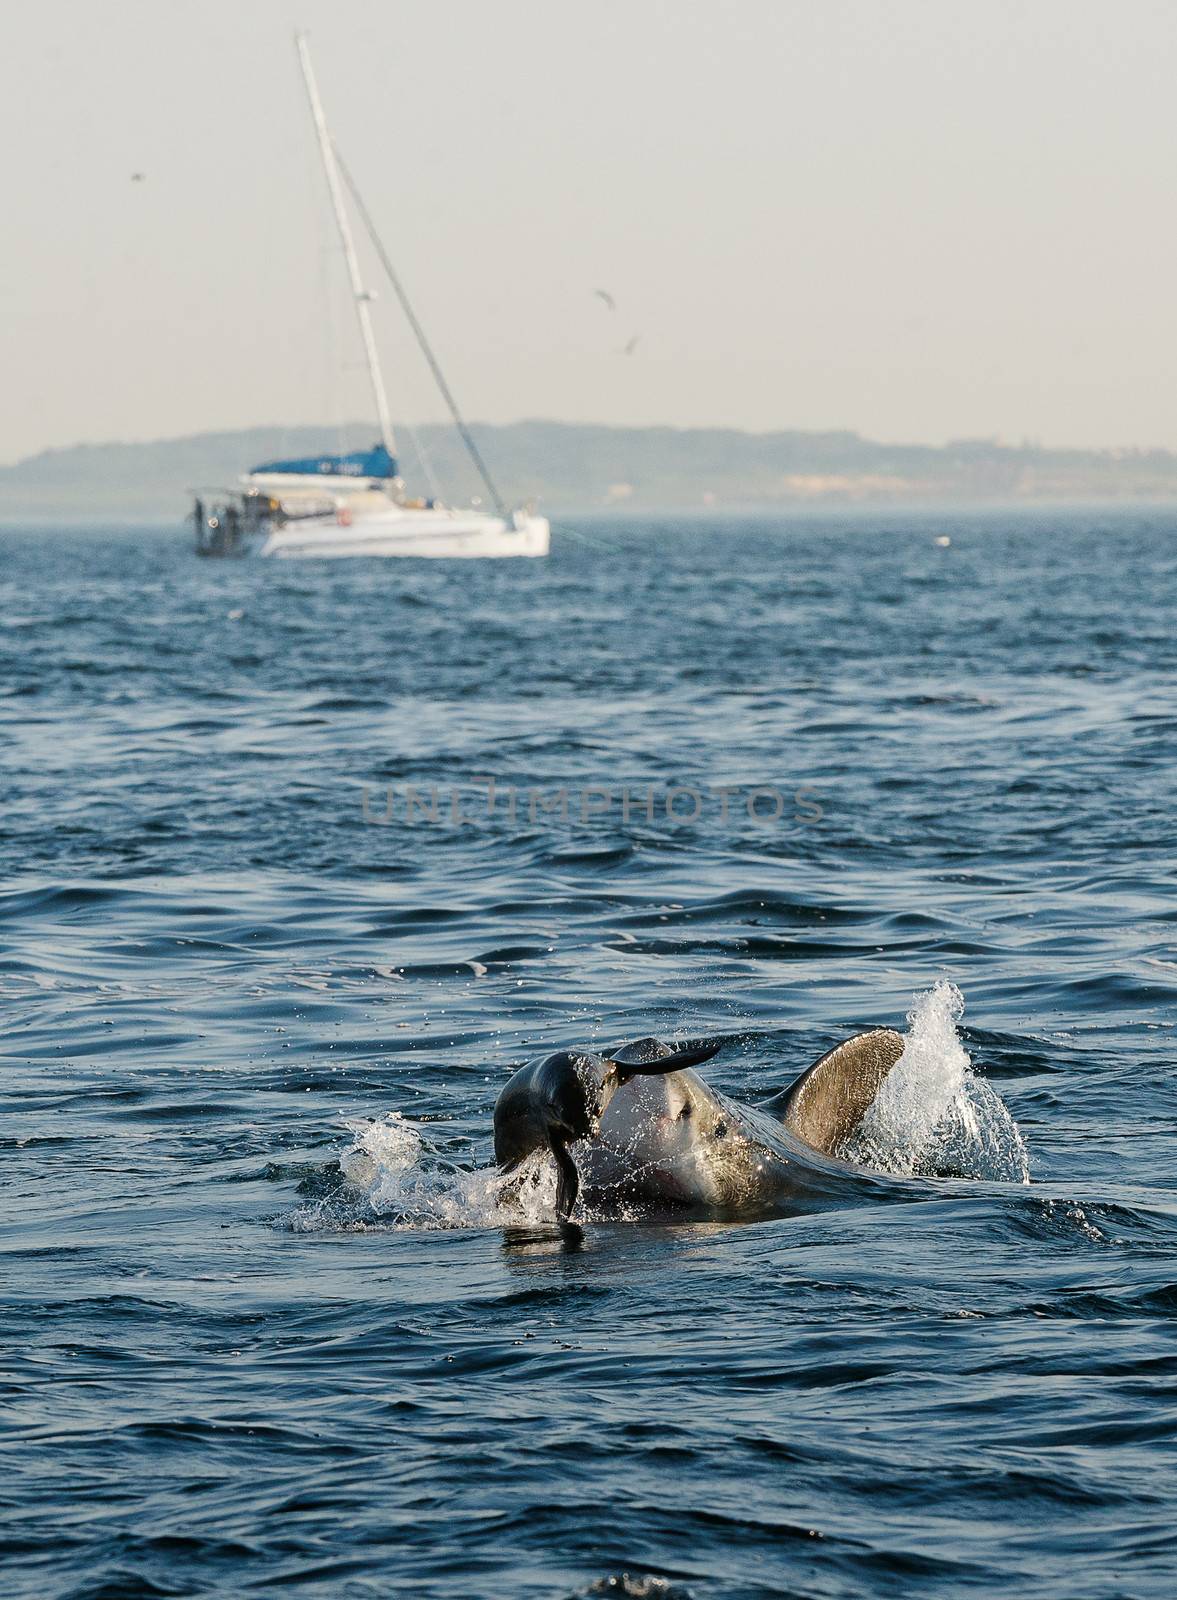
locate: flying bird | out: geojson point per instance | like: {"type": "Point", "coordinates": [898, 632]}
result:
{"type": "Point", "coordinates": [138, 177]}
{"type": "Point", "coordinates": [632, 345]}
{"type": "Point", "coordinates": [603, 294]}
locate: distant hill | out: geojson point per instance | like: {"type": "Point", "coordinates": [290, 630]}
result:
{"type": "Point", "coordinates": [573, 465]}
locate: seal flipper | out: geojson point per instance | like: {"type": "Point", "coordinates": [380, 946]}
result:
{"type": "Point", "coordinates": [568, 1178]}
{"type": "Point", "coordinates": [830, 1099]}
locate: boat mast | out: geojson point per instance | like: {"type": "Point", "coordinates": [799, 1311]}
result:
{"type": "Point", "coordinates": [446, 392]}
{"type": "Point", "coordinates": [360, 294]}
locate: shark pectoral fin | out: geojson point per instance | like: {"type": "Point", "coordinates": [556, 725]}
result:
{"type": "Point", "coordinates": [828, 1101]}
{"type": "Point", "coordinates": [647, 1065]}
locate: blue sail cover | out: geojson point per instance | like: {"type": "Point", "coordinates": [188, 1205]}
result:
{"type": "Point", "coordinates": [374, 463]}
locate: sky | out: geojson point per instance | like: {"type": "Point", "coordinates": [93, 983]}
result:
{"type": "Point", "coordinates": [917, 219]}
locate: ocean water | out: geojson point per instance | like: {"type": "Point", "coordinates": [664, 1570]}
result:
{"type": "Point", "coordinates": [264, 1323]}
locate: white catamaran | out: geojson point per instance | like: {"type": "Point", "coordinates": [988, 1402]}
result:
{"type": "Point", "coordinates": [355, 504]}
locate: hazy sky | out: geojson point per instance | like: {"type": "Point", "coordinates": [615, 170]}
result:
{"type": "Point", "coordinates": [921, 219]}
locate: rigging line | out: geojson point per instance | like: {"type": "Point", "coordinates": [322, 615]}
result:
{"type": "Point", "coordinates": [419, 334]}
{"type": "Point", "coordinates": [424, 458]}
{"type": "Point", "coordinates": [592, 543]}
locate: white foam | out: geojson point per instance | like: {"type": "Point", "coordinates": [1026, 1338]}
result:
{"type": "Point", "coordinates": [934, 1115]}
{"type": "Point", "coordinates": [397, 1180]}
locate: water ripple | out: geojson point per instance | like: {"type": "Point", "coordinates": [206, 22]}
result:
{"type": "Point", "coordinates": [227, 1366]}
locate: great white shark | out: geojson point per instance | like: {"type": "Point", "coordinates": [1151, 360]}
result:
{"type": "Point", "coordinates": [638, 1124]}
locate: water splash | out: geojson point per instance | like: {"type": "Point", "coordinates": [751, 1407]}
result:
{"type": "Point", "coordinates": [394, 1178]}
{"type": "Point", "coordinates": [934, 1116]}
{"type": "Point", "coordinates": [636, 1586]}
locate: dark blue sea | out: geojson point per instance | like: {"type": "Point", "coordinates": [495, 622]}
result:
{"type": "Point", "coordinates": [765, 780]}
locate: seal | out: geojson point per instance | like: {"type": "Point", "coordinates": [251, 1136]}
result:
{"type": "Point", "coordinates": [647, 1129]}
{"type": "Point", "coordinates": [560, 1099]}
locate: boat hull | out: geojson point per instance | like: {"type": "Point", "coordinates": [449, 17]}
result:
{"type": "Point", "coordinates": [432, 533]}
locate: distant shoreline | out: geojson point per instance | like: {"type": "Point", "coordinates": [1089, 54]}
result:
{"type": "Point", "coordinates": [579, 468]}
